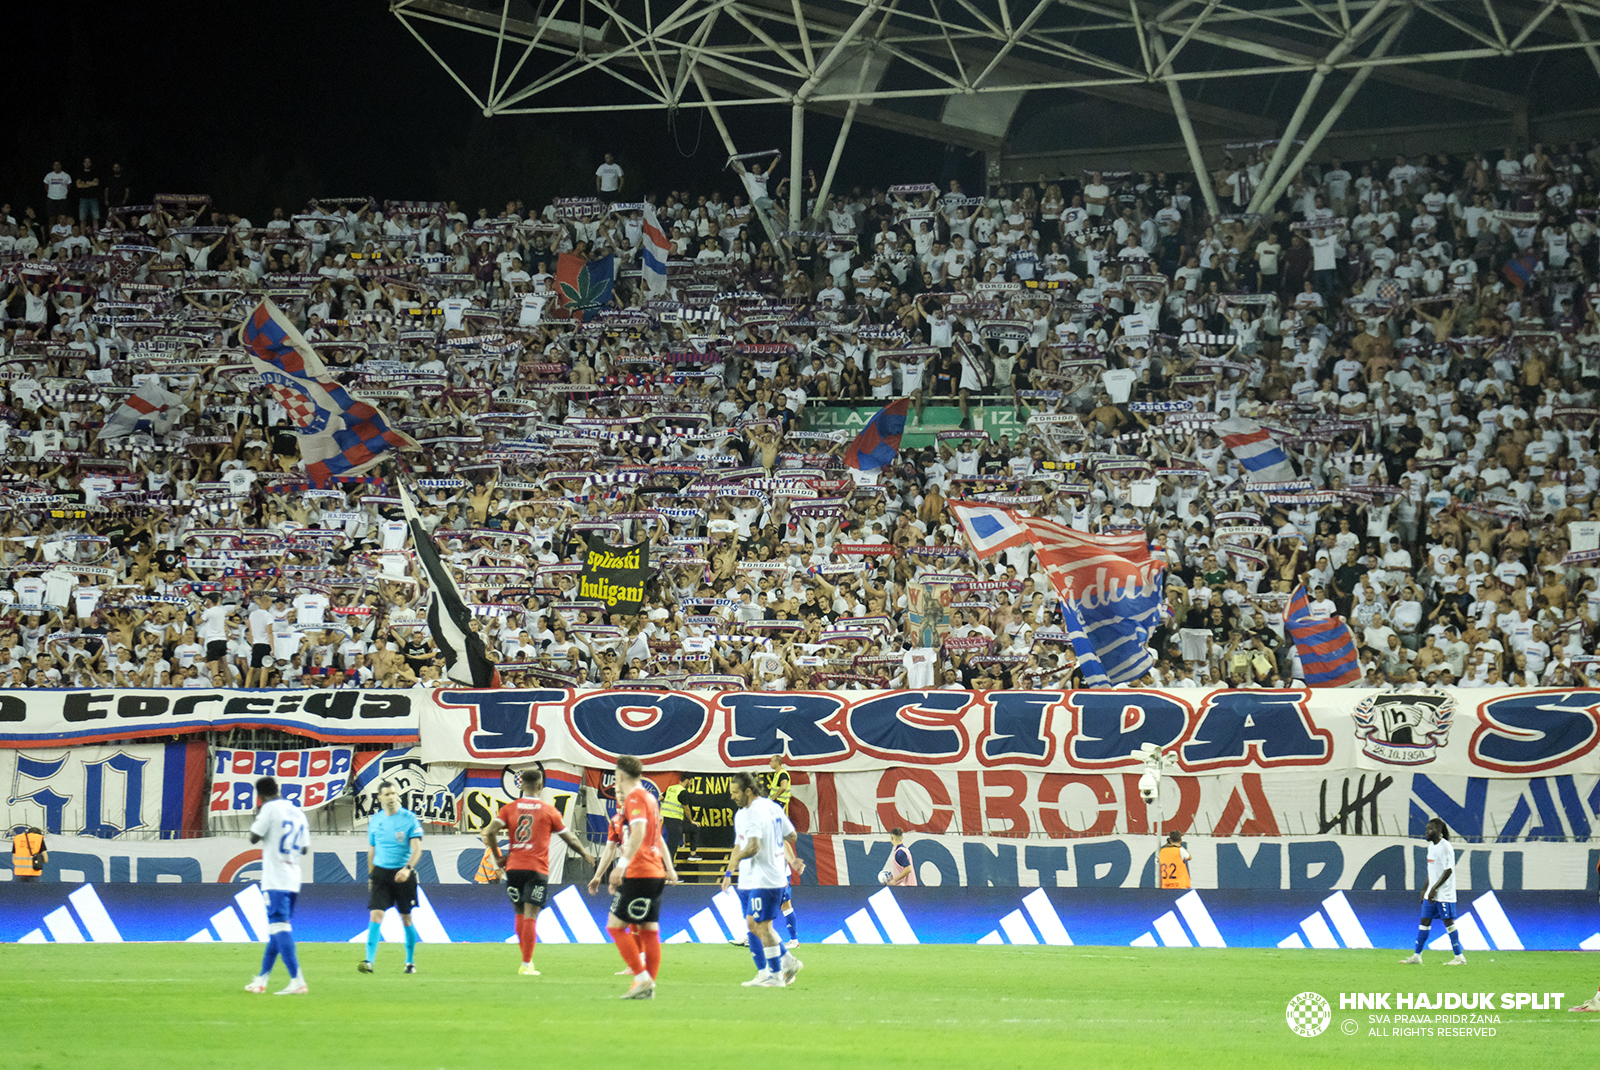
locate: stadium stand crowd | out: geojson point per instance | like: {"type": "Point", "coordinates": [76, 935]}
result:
{"type": "Point", "coordinates": [1418, 338]}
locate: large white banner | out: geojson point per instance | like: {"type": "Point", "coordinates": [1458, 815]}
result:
{"type": "Point", "coordinates": [48, 718]}
{"type": "Point", "coordinates": [1324, 732]}
{"type": "Point", "coordinates": [1334, 732]}
{"type": "Point", "coordinates": [1073, 805]}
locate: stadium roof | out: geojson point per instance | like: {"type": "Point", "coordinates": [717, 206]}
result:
{"type": "Point", "coordinates": [993, 74]}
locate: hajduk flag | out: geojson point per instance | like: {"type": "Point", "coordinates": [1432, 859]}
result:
{"type": "Point", "coordinates": [1261, 457]}
{"type": "Point", "coordinates": [989, 528]}
{"type": "Point", "coordinates": [1113, 587]}
{"type": "Point", "coordinates": [1327, 648]}
{"type": "Point", "coordinates": [1089, 664]}
{"type": "Point", "coordinates": [879, 441]}
{"type": "Point", "coordinates": [449, 618]}
{"type": "Point", "coordinates": [150, 409]}
{"type": "Point", "coordinates": [339, 436]}
{"type": "Point", "coordinates": [653, 252]}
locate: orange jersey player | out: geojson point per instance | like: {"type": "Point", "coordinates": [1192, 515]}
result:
{"type": "Point", "coordinates": [529, 822]}
{"type": "Point", "coordinates": [642, 871]}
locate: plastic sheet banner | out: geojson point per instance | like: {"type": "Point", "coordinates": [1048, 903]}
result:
{"type": "Point", "coordinates": [309, 779]}
{"type": "Point", "coordinates": [1296, 733]}
{"type": "Point", "coordinates": [47, 718]}
{"type": "Point", "coordinates": [1302, 919]}
{"type": "Point", "coordinates": [105, 791]}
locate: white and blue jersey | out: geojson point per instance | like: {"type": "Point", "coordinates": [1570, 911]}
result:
{"type": "Point", "coordinates": [765, 822]}
{"type": "Point", "coordinates": [390, 837]}
{"type": "Point", "coordinates": [285, 838]}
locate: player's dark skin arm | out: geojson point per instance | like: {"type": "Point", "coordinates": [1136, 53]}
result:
{"type": "Point", "coordinates": [1431, 892]}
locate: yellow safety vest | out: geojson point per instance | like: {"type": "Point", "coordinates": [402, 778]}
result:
{"type": "Point", "coordinates": [24, 846]}
{"type": "Point", "coordinates": [671, 804]}
{"type": "Point", "coordinates": [778, 788]}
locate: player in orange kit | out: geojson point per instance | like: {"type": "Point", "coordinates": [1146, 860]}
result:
{"type": "Point", "coordinates": [530, 821]}
{"type": "Point", "coordinates": [642, 871]}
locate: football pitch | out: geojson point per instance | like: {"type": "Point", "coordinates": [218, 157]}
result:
{"type": "Point", "coordinates": [131, 1006]}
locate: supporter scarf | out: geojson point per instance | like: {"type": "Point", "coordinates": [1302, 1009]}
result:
{"type": "Point", "coordinates": [1161, 406]}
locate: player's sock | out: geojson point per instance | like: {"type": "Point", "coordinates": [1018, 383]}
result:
{"type": "Point", "coordinates": [650, 941]}
{"type": "Point", "coordinates": [788, 919]}
{"type": "Point", "coordinates": [1422, 936]}
{"type": "Point", "coordinates": [527, 936]}
{"type": "Point", "coordinates": [411, 944]}
{"type": "Point", "coordinates": [758, 952]}
{"type": "Point", "coordinates": [270, 955]}
{"type": "Point", "coordinates": [291, 959]}
{"type": "Point", "coordinates": [634, 931]}
{"type": "Point", "coordinates": [374, 933]}
{"type": "Point", "coordinates": [1455, 938]}
{"type": "Point", "coordinates": [627, 946]}
{"type": "Point", "coordinates": [774, 953]}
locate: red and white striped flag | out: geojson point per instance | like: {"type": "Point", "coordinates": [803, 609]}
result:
{"type": "Point", "coordinates": [149, 409]}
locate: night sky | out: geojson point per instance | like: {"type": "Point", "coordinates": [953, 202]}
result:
{"type": "Point", "coordinates": [270, 103]}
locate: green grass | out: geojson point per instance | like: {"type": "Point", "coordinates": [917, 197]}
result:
{"type": "Point", "coordinates": [172, 1006]}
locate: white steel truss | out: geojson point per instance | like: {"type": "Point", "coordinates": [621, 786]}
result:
{"type": "Point", "coordinates": [981, 56]}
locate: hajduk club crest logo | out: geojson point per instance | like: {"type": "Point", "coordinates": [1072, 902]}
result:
{"type": "Point", "coordinates": [1407, 727]}
{"type": "Point", "coordinates": [310, 417]}
{"type": "Point", "coordinates": [1308, 1014]}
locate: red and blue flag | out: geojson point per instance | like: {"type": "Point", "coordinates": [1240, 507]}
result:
{"type": "Point", "coordinates": [339, 436]}
{"type": "Point", "coordinates": [1327, 648]}
{"type": "Point", "coordinates": [879, 441]}
{"type": "Point", "coordinates": [1520, 270]}
{"type": "Point", "coordinates": [584, 286]}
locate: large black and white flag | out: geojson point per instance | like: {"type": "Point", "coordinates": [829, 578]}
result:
{"type": "Point", "coordinates": [449, 618]}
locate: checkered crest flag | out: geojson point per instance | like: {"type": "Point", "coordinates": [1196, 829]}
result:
{"type": "Point", "coordinates": [339, 436]}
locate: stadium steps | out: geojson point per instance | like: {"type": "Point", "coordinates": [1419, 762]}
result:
{"type": "Point", "coordinates": [710, 863]}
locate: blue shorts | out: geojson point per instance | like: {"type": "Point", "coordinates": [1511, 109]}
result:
{"type": "Point", "coordinates": [760, 904]}
{"type": "Point", "coordinates": [1432, 908]}
{"type": "Point", "coordinates": [783, 894]}
{"type": "Point", "coordinates": [280, 905]}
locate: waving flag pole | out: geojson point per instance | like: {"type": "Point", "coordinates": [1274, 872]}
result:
{"type": "Point", "coordinates": [449, 618]}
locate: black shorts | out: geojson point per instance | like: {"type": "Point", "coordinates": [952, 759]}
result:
{"type": "Point", "coordinates": [216, 649]}
{"type": "Point", "coordinates": [638, 900]}
{"type": "Point", "coordinates": [526, 886]}
{"type": "Point", "coordinates": [383, 891]}
{"type": "Point", "coordinates": [259, 653]}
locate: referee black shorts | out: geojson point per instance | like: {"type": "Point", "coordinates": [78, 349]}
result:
{"type": "Point", "coordinates": [383, 891]}
{"type": "Point", "coordinates": [638, 900]}
{"type": "Point", "coordinates": [526, 886]}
